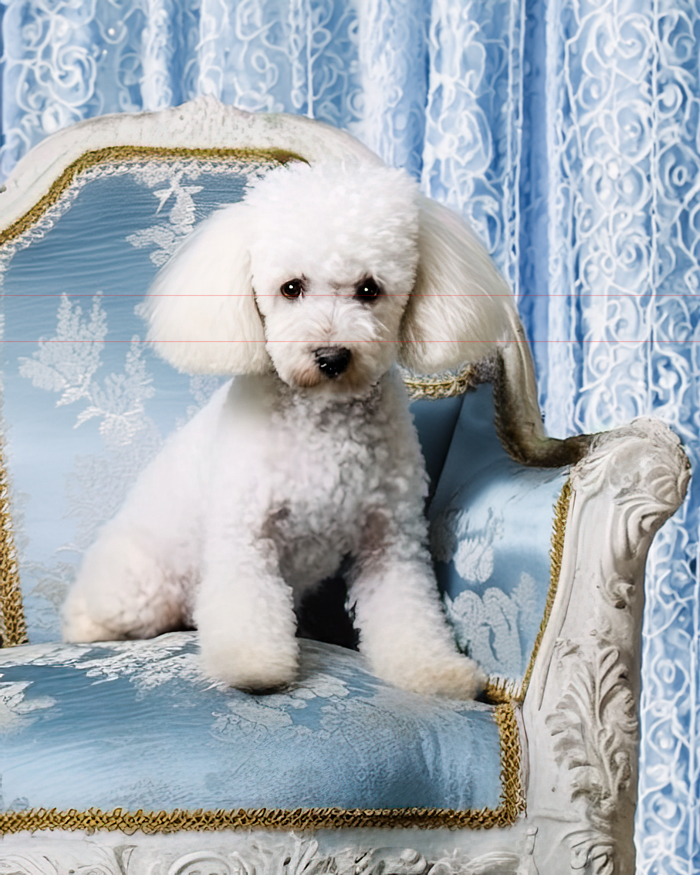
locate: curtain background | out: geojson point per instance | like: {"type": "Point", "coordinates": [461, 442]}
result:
{"type": "Point", "coordinates": [565, 131]}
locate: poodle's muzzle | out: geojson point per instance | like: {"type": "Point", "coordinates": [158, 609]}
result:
{"type": "Point", "coordinates": [332, 360]}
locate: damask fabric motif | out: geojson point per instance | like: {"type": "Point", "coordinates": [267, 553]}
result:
{"type": "Point", "coordinates": [491, 526]}
{"type": "Point", "coordinates": [153, 733]}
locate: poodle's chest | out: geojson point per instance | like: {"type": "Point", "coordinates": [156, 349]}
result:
{"type": "Point", "coordinates": [326, 483]}
{"type": "Point", "coordinates": [309, 476]}
{"type": "Point", "coordinates": [315, 519]}
{"type": "Point", "coordinates": [321, 490]}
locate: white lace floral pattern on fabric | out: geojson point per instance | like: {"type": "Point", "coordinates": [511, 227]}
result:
{"type": "Point", "coordinates": [15, 710]}
{"type": "Point", "coordinates": [454, 539]}
{"type": "Point", "coordinates": [67, 363]}
{"type": "Point", "coordinates": [486, 626]}
{"type": "Point", "coordinates": [149, 664]}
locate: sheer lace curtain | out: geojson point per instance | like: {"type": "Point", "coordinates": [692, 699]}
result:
{"type": "Point", "coordinates": [565, 131]}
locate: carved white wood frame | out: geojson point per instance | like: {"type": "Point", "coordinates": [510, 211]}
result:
{"type": "Point", "coordinates": [581, 710]}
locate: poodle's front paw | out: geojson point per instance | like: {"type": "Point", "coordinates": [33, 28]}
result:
{"type": "Point", "coordinates": [256, 667]}
{"type": "Point", "coordinates": [454, 676]}
{"type": "Point", "coordinates": [457, 678]}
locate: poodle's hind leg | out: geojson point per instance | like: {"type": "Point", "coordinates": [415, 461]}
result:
{"type": "Point", "coordinates": [123, 590]}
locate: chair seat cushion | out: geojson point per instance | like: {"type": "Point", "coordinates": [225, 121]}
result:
{"type": "Point", "coordinates": [136, 725]}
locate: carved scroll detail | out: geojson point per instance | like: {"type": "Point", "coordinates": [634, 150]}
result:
{"type": "Point", "coordinates": [645, 468]}
{"type": "Point", "coordinates": [595, 731]}
{"type": "Point", "coordinates": [265, 856]}
{"type": "Point", "coordinates": [595, 727]}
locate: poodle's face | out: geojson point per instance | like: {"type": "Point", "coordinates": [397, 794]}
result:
{"type": "Point", "coordinates": [332, 332]}
{"type": "Point", "coordinates": [333, 263]}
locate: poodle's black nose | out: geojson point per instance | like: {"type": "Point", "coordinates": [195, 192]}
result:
{"type": "Point", "coordinates": [332, 360]}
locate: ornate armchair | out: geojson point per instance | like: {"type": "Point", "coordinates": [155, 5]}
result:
{"type": "Point", "coordinates": [121, 757]}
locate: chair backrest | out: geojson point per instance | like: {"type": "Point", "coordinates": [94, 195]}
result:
{"type": "Point", "coordinates": [86, 402]}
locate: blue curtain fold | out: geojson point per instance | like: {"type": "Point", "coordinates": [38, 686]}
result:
{"type": "Point", "coordinates": [565, 131]}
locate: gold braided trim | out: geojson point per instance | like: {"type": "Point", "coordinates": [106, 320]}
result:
{"type": "Point", "coordinates": [561, 513]}
{"type": "Point", "coordinates": [114, 154]}
{"type": "Point", "coordinates": [446, 385]}
{"type": "Point", "coordinates": [512, 794]}
{"type": "Point", "coordinates": [511, 805]}
{"type": "Point", "coordinates": [13, 628]}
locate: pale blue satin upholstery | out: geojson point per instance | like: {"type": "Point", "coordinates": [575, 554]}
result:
{"type": "Point", "coordinates": [137, 725]}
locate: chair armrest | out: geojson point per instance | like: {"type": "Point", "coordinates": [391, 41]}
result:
{"type": "Point", "coordinates": [580, 712]}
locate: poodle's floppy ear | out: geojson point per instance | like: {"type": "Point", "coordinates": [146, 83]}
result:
{"type": "Point", "coordinates": [201, 309]}
{"type": "Point", "coordinates": [460, 308]}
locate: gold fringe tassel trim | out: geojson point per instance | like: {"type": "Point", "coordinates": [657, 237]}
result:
{"type": "Point", "coordinates": [13, 628]}
{"type": "Point", "coordinates": [511, 805]}
{"type": "Point", "coordinates": [440, 385]}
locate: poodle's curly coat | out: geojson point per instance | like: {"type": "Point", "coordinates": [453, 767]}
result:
{"type": "Point", "coordinates": [309, 291]}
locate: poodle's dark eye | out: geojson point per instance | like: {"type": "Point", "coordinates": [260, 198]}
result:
{"type": "Point", "coordinates": [292, 288]}
{"type": "Point", "coordinates": [367, 290]}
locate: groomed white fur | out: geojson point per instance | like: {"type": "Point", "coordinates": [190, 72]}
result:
{"type": "Point", "coordinates": [309, 455]}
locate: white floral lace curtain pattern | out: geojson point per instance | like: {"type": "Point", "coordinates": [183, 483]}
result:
{"type": "Point", "coordinates": [565, 131]}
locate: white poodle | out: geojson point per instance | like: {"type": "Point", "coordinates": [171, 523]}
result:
{"type": "Point", "coordinates": [309, 291]}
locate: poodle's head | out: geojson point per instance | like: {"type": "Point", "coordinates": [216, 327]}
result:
{"type": "Point", "coordinates": [333, 260]}
{"type": "Point", "coordinates": [328, 274]}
